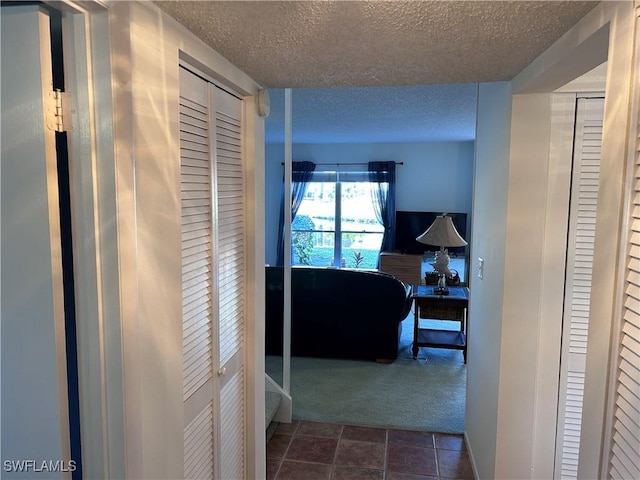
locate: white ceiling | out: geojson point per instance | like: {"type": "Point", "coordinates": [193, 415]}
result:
{"type": "Point", "coordinates": [420, 45]}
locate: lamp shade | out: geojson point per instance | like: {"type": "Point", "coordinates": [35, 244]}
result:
{"type": "Point", "coordinates": [442, 233]}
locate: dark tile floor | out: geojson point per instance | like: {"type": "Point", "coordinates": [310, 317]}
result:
{"type": "Point", "coordinates": [323, 451]}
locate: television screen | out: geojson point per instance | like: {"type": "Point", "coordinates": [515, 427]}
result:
{"type": "Point", "coordinates": [410, 225]}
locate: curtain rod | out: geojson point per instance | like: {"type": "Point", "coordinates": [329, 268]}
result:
{"type": "Point", "coordinates": [356, 163]}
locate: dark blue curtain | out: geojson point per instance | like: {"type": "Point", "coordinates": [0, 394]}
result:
{"type": "Point", "coordinates": [382, 176]}
{"type": "Point", "coordinates": [301, 174]}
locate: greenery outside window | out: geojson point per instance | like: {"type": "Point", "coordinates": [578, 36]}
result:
{"type": "Point", "coordinates": [336, 224]}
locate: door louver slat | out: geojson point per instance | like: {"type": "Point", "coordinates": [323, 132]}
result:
{"type": "Point", "coordinates": [198, 445]}
{"type": "Point", "coordinates": [232, 415]}
{"type": "Point", "coordinates": [624, 461]}
{"type": "Point", "coordinates": [197, 283]}
{"type": "Point", "coordinates": [582, 221]}
{"type": "Point", "coordinates": [230, 183]}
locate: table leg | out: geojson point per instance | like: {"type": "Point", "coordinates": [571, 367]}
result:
{"type": "Point", "coordinates": [416, 319]}
{"type": "Point", "coordinates": [465, 319]}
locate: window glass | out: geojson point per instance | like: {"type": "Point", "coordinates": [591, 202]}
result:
{"type": "Point", "coordinates": [336, 223]}
{"type": "Point", "coordinates": [361, 231]}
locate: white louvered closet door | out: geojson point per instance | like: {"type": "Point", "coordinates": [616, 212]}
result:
{"type": "Point", "coordinates": [231, 282]}
{"type": "Point", "coordinates": [624, 454]}
{"type": "Point", "coordinates": [580, 242]}
{"type": "Point", "coordinates": [213, 280]}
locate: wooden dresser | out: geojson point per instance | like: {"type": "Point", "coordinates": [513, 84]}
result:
{"type": "Point", "coordinates": [406, 268]}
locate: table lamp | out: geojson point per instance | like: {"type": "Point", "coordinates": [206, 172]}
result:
{"type": "Point", "coordinates": [442, 233]}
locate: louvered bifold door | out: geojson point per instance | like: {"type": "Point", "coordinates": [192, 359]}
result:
{"type": "Point", "coordinates": [214, 280]}
{"type": "Point", "coordinates": [625, 435]}
{"type": "Point", "coordinates": [231, 281]}
{"type": "Point", "coordinates": [196, 158]}
{"type": "Point", "coordinates": [580, 243]}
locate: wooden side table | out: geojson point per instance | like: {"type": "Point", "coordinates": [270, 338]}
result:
{"type": "Point", "coordinates": [406, 268]}
{"type": "Point", "coordinates": [440, 307]}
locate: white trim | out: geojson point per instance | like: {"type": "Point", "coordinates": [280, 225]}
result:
{"type": "Point", "coordinates": [186, 61]}
{"type": "Point", "coordinates": [109, 271]}
{"type": "Point", "coordinates": [286, 316]}
{"type": "Point", "coordinates": [93, 194]}
{"type": "Point", "coordinates": [255, 324]}
{"type": "Point", "coordinates": [553, 273]}
{"type": "Point", "coordinates": [578, 51]}
{"type": "Point", "coordinates": [55, 239]}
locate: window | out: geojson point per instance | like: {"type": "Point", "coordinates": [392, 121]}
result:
{"type": "Point", "coordinates": [336, 223]}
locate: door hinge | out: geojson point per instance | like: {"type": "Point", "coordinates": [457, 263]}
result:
{"type": "Point", "coordinates": [59, 111]}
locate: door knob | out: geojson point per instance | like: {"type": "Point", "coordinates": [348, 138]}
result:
{"type": "Point", "coordinates": [222, 372]}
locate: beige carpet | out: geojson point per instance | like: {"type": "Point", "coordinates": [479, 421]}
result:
{"type": "Point", "coordinates": [426, 394]}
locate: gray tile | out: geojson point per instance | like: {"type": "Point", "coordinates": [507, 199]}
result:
{"type": "Point", "coordinates": [319, 429]}
{"type": "Point", "coordinates": [454, 464]}
{"type": "Point", "coordinates": [365, 434]}
{"type": "Point", "coordinates": [356, 473]}
{"type": "Point", "coordinates": [325, 451]}
{"type": "Point", "coordinates": [277, 446]}
{"type": "Point", "coordinates": [303, 471]}
{"type": "Point", "coordinates": [287, 428]}
{"type": "Point", "coordinates": [273, 465]}
{"type": "Point", "coordinates": [408, 476]}
{"type": "Point", "coordinates": [312, 449]}
{"type": "Point", "coordinates": [449, 442]}
{"type": "Point", "coordinates": [360, 454]}
{"type": "Point", "coordinates": [414, 460]}
{"type": "Point", "coordinates": [411, 438]}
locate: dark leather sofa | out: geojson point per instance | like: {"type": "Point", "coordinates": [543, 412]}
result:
{"type": "Point", "coordinates": [337, 313]}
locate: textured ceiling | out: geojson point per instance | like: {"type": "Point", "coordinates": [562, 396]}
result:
{"type": "Point", "coordinates": [422, 113]}
{"type": "Point", "coordinates": [367, 43]}
{"type": "Point", "coordinates": [407, 49]}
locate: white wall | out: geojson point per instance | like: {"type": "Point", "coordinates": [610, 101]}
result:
{"type": "Point", "coordinates": [435, 176]}
{"type": "Point", "coordinates": [486, 296]}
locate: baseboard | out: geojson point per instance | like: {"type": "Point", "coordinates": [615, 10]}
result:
{"type": "Point", "coordinates": [284, 413]}
{"type": "Point", "coordinates": [471, 459]}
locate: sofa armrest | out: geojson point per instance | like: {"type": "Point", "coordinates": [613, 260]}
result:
{"type": "Point", "coordinates": [409, 300]}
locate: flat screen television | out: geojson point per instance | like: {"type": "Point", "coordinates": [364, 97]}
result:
{"type": "Point", "coordinates": [410, 225]}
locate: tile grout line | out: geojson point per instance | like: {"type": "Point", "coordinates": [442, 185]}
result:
{"type": "Point", "coordinates": [384, 461]}
{"type": "Point", "coordinates": [435, 454]}
{"type": "Point", "coordinates": [335, 454]}
{"type": "Point", "coordinates": [284, 455]}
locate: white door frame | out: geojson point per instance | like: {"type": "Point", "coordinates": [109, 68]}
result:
{"type": "Point", "coordinates": [95, 241]}
{"type": "Point", "coordinates": [91, 159]}
{"type": "Point", "coordinates": [606, 33]}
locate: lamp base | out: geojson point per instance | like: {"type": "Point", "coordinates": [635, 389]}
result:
{"type": "Point", "coordinates": [440, 291]}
